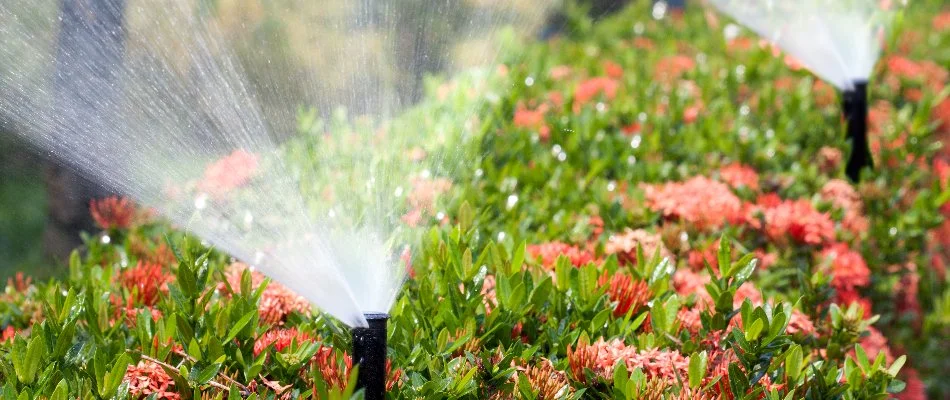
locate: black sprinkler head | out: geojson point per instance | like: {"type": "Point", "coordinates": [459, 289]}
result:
{"type": "Point", "coordinates": [854, 106]}
{"type": "Point", "coordinates": [369, 352]}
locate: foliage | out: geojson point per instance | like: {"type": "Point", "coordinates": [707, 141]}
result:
{"type": "Point", "coordinates": [639, 210]}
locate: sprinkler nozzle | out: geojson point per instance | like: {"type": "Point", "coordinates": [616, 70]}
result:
{"type": "Point", "coordinates": [369, 351]}
{"type": "Point", "coordinates": [854, 106]}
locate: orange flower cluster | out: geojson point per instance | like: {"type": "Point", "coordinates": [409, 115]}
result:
{"type": "Point", "coordinates": [229, 173]}
{"type": "Point", "coordinates": [150, 379]}
{"type": "Point", "coordinates": [625, 246]}
{"type": "Point", "coordinates": [146, 281]}
{"type": "Point", "coordinates": [548, 253]}
{"type": "Point", "coordinates": [797, 219]}
{"type": "Point", "coordinates": [112, 212]}
{"type": "Point", "coordinates": [671, 68]}
{"type": "Point", "coordinates": [703, 202]}
{"type": "Point", "coordinates": [549, 382]}
{"type": "Point", "coordinates": [276, 302]}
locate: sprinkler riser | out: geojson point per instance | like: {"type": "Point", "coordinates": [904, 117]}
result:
{"type": "Point", "coordinates": [369, 351]}
{"type": "Point", "coordinates": [854, 106]}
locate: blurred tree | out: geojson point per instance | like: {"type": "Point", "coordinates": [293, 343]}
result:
{"type": "Point", "coordinates": [89, 54]}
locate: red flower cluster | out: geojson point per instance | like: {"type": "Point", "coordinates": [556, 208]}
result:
{"type": "Point", "coordinates": [738, 175]}
{"type": "Point", "coordinates": [625, 246]}
{"type": "Point", "coordinates": [797, 219]}
{"type": "Point", "coordinates": [146, 281]}
{"type": "Point", "coordinates": [613, 69]}
{"type": "Point", "coordinates": [800, 323]}
{"type": "Point", "coordinates": [112, 212]}
{"type": "Point", "coordinates": [276, 302]}
{"type": "Point", "coordinates": [532, 119]}
{"type": "Point", "coordinates": [422, 197]}
{"type": "Point", "coordinates": [848, 267]}
{"type": "Point", "coordinates": [548, 253]}
{"type": "Point", "coordinates": [628, 293]}
{"type": "Point", "coordinates": [150, 379]}
{"type": "Point", "coordinates": [336, 371]}
{"type": "Point", "coordinates": [941, 22]}
{"type": "Point", "coordinates": [703, 202]}
{"type": "Point", "coordinates": [229, 173]}
{"type": "Point", "coordinates": [280, 338]}
{"type": "Point", "coordinates": [591, 88]}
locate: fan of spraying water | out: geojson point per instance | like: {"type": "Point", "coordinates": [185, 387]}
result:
{"type": "Point", "coordinates": [182, 104]}
{"type": "Point", "coordinates": [838, 40]}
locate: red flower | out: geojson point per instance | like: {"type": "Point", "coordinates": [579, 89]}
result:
{"type": "Point", "coordinates": [526, 118]}
{"type": "Point", "coordinates": [847, 266]}
{"type": "Point", "coordinates": [276, 302]}
{"type": "Point", "coordinates": [875, 343]}
{"type": "Point", "coordinates": [8, 334]}
{"type": "Point", "coordinates": [112, 212]}
{"type": "Point", "coordinates": [229, 173]}
{"type": "Point", "coordinates": [560, 72]}
{"type": "Point", "coordinates": [628, 293]}
{"type": "Point", "coordinates": [671, 68]}
{"type": "Point", "coordinates": [907, 292]}
{"type": "Point", "coordinates": [738, 175]}
{"type": "Point", "coordinates": [705, 203]}
{"type": "Point", "coordinates": [941, 22]}
{"type": "Point", "coordinates": [147, 379]}
{"type": "Point", "coordinates": [613, 69]}
{"type": "Point", "coordinates": [829, 159]}
{"type": "Point", "coordinates": [795, 218]}
{"type": "Point", "coordinates": [600, 357]}
{"type": "Point", "coordinates": [591, 88]}
{"type": "Point", "coordinates": [336, 369]}
{"type": "Point", "coordinates": [625, 246]}
{"type": "Point", "coordinates": [691, 113]}
{"type": "Point", "coordinates": [280, 338]}
{"type": "Point", "coordinates": [548, 253]}
{"type": "Point", "coordinates": [146, 281]}
{"type": "Point", "coordinates": [915, 389]}
{"type": "Point", "coordinates": [846, 297]}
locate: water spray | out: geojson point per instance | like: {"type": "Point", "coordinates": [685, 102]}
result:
{"type": "Point", "coordinates": [854, 106]}
{"type": "Point", "coordinates": [369, 351]}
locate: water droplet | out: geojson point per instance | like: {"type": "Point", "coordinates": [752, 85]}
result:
{"type": "Point", "coordinates": [501, 236]}
{"type": "Point", "coordinates": [642, 117]}
{"type": "Point", "coordinates": [892, 231]}
{"type": "Point", "coordinates": [744, 110]}
{"type": "Point", "coordinates": [638, 28]}
{"type": "Point", "coordinates": [248, 219]}
{"type": "Point", "coordinates": [399, 189]}
{"type": "Point", "coordinates": [529, 81]}
{"type": "Point", "coordinates": [731, 31]}
{"type": "Point", "coordinates": [439, 216]}
{"type": "Point", "coordinates": [601, 107]}
{"type": "Point", "coordinates": [631, 160]}
{"type": "Point", "coordinates": [769, 134]}
{"type": "Point", "coordinates": [556, 149]}
{"type": "Point", "coordinates": [635, 142]}
{"type": "Point", "coordinates": [740, 71]}
{"type": "Point", "coordinates": [562, 156]}
{"type": "Point", "coordinates": [659, 10]}
{"type": "Point", "coordinates": [512, 200]}
{"type": "Point", "coordinates": [426, 174]}
{"type": "Point", "coordinates": [201, 202]}
{"type": "Point", "coordinates": [611, 186]}
{"type": "Point", "coordinates": [479, 173]}
{"type": "Point", "coordinates": [684, 237]}
{"type": "Point", "coordinates": [258, 257]}
{"type": "Point", "coordinates": [106, 239]}
{"type": "Point", "coordinates": [600, 135]}
{"type": "Point", "coordinates": [331, 214]}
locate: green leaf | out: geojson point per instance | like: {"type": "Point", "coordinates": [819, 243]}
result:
{"type": "Point", "coordinates": [203, 376]}
{"type": "Point", "coordinates": [753, 332]}
{"type": "Point", "coordinates": [238, 326]}
{"type": "Point", "coordinates": [793, 363]}
{"type": "Point", "coordinates": [896, 366]}
{"type": "Point", "coordinates": [61, 392]}
{"type": "Point", "coordinates": [697, 369]}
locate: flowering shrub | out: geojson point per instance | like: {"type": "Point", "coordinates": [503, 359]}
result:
{"type": "Point", "coordinates": [658, 212]}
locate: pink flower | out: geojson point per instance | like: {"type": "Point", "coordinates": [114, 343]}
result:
{"type": "Point", "coordinates": [829, 159]}
{"type": "Point", "coordinates": [800, 323]}
{"type": "Point", "coordinates": [625, 246]}
{"type": "Point", "coordinates": [847, 266]}
{"type": "Point", "coordinates": [601, 356]}
{"type": "Point", "coordinates": [229, 173]}
{"type": "Point", "coordinates": [560, 72]}
{"type": "Point", "coordinates": [672, 68]}
{"type": "Point", "coordinates": [548, 253]}
{"type": "Point", "coordinates": [738, 175]}
{"type": "Point", "coordinates": [147, 378]}
{"type": "Point", "coordinates": [941, 22]}
{"type": "Point", "coordinates": [687, 282]}
{"type": "Point", "coordinates": [875, 343]}
{"type": "Point", "coordinates": [277, 302]}
{"type": "Point", "coordinates": [843, 196]}
{"type": "Point", "coordinates": [915, 389]}
{"type": "Point", "coordinates": [703, 202]}
{"type": "Point", "coordinates": [613, 69]}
